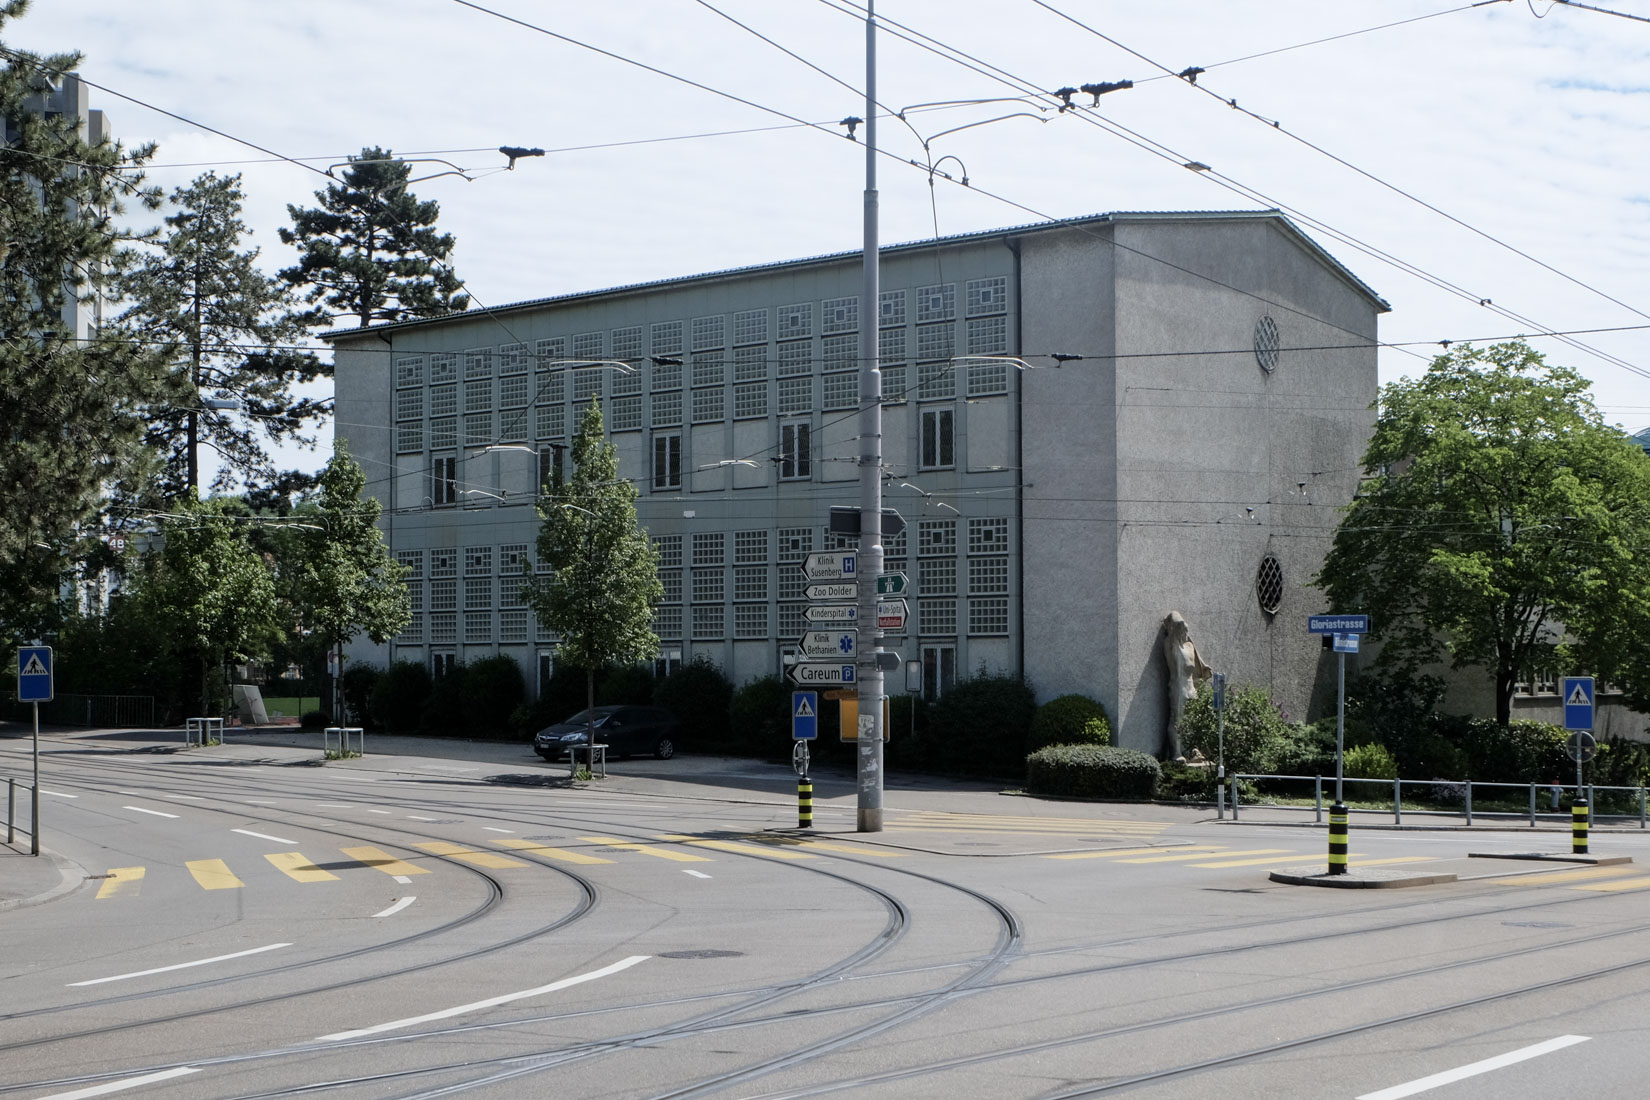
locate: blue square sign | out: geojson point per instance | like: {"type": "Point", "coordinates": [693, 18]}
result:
{"type": "Point", "coordinates": [804, 715]}
{"type": "Point", "coordinates": [1578, 703]}
{"type": "Point", "coordinates": [34, 674]}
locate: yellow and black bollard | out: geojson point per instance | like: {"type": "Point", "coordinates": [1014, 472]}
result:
{"type": "Point", "coordinates": [1578, 827]}
{"type": "Point", "coordinates": [1337, 839]}
{"type": "Point", "coordinates": [804, 803]}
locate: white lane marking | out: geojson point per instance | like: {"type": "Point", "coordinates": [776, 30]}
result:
{"type": "Point", "coordinates": [264, 836]}
{"type": "Point", "coordinates": [495, 829]}
{"type": "Point", "coordinates": [118, 1086]}
{"type": "Point", "coordinates": [182, 966]}
{"type": "Point", "coordinates": [358, 778]}
{"type": "Point", "coordinates": [58, 794]}
{"type": "Point", "coordinates": [141, 810]}
{"type": "Point", "coordinates": [506, 998]}
{"type": "Point", "coordinates": [260, 802]}
{"type": "Point", "coordinates": [445, 768]}
{"type": "Point", "coordinates": [398, 906]}
{"type": "Point", "coordinates": [403, 879]}
{"type": "Point", "coordinates": [1512, 1057]}
{"type": "Point", "coordinates": [378, 811]}
{"type": "Point", "coordinates": [416, 817]}
{"type": "Point", "coordinates": [695, 874]}
{"type": "Point", "coordinates": [335, 805]}
{"type": "Point", "coordinates": [185, 797]}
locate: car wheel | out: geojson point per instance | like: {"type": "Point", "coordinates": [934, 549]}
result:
{"type": "Point", "coordinates": [664, 748]}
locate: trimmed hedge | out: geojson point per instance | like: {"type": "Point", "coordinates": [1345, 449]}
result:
{"type": "Point", "coordinates": [1092, 771]}
{"type": "Point", "coordinates": [1069, 720]}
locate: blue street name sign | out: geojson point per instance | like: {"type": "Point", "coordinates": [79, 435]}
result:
{"type": "Point", "coordinates": [1337, 624]}
{"type": "Point", "coordinates": [1578, 703]}
{"type": "Point", "coordinates": [804, 715]}
{"type": "Point", "coordinates": [1346, 643]}
{"type": "Point", "coordinates": [1220, 691]}
{"type": "Point", "coordinates": [34, 674]}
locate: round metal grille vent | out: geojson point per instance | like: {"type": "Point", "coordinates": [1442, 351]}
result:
{"type": "Point", "coordinates": [1266, 344]}
{"type": "Point", "coordinates": [1269, 585]}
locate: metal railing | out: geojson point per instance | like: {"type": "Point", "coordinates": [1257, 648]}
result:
{"type": "Point", "coordinates": [102, 711]}
{"type": "Point", "coordinates": [1553, 791]}
{"type": "Point", "coordinates": [203, 731]}
{"type": "Point", "coordinates": [343, 734]}
{"type": "Point", "coordinates": [12, 783]}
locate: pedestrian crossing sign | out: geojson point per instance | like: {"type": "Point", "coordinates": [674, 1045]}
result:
{"type": "Point", "coordinates": [34, 674]}
{"type": "Point", "coordinates": [1578, 703]}
{"type": "Point", "coordinates": [804, 715]}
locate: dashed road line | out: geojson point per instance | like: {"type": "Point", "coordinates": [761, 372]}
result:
{"type": "Point", "coordinates": [380, 860]}
{"type": "Point", "coordinates": [469, 855]}
{"type": "Point", "coordinates": [647, 850]}
{"type": "Point", "coordinates": [157, 813]}
{"type": "Point", "coordinates": [121, 880]}
{"type": "Point", "coordinates": [298, 866]}
{"type": "Point", "coordinates": [533, 847]}
{"type": "Point", "coordinates": [183, 965]}
{"type": "Point", "coordinates": [264, 836]}
{"type": "Point", "coordinates": [213, 874]}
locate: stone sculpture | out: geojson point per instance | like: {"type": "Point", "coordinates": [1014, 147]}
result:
{"type": "Point", "coordinates": [1185, 669]}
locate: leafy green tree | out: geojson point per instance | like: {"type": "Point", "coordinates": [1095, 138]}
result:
{"type": "Point", "coordinates": [72, 402]}
{"type": "Point", "coordinates": [229, 330]}
{"type": "Point", "coordinates": [599, 599]}
{"type": "Point", "coordinates": [1506, 526]}
{"type": "Point", "coordinates": [370, 250]}
{"type": "Point", "coordinates": [207, 595]}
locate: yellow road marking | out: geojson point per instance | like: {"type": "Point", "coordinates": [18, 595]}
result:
{"type": "Point", "coordinates": [735, 847]}
{"type": "Point", "coordinates": [1205, 855]}
{"type": "Point", "coordinates": [535, 848]}
{"type": "Point", "coordinates": [1354, 861]}
{"type": "Point", "coordinates": [297, 865]}
{"type": "Point", "coordinates": [646, 850]}
{"type": "Point", "coordinates": [380, 860]}
{"type": "Point", "coordinates": [1013, 819]}
{"type": "Point", "coordinates": [1574, 876]}
{"type": "Point", "coordinates": [1107, 853]}
{"type": "Point", "coordinates": [1243, 862]}
{"type": "Point", "coordinates": [120, 878]}
{"type": "Point", "coordinates": [469, 855]}
{"type": "Point", "coordinates": [825, 845]}
{"type": "Point", "coordinates": [1618, 884]}
{"type": "Point", "coordinates": [213, 874]}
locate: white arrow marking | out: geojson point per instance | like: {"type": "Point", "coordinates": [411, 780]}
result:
{"type": "Point", "coordinates": [397, 907]}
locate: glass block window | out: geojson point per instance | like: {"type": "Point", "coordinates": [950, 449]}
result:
{"type": "Point", "coordinates": [478, 627]}
{"type": "Point", "coordinates": [590, 345]}
{"type": "Point", "coordinates": [796, 357]}
{"type": "Point", "coordinates": [478, 429]}
{"type": "Point", "coordinates": [983, 296]}
{"type": "Point", "coordinates": [750, 547]}
{"type": "Point", "coordinates": [550, 422]}
{"type": "Point", "coordinates": [444, 562]}
{"type": "Point", "coordinates": [708, 585]}
{"type": "Point", "coordinates": [750, 326]}
{"type": "Point", "coordinates": [667, 338]}
{"type": "Point", "coordinates": [478, 395]}
{"type": "Point", "coordinates": [795, 543]}
{"type": "Point", "coordinates": [710, 548]}
{"type": "Point", "coordinates": [669, 548]}
{"type": "Point", "coordinates": [936, 618]}
{"type": "Point", "coordinates": [550, 349]}
{"type": "Point", "coordinates": [750, 399]}
{"type": "Point", "coordinates": [415, 596]}
{"type": "Point", "coordinates": [626, 415]}
{"type": "Point", "coordinates": [444, 433]}
{"type": "Point", "coordinates": [987, 576]}
{"type": "Point", "coordinates": [667, 377]}
{"type": "Point", "coordinates": [478, 561]}
{"type": "Point", "coordinates": [892, 311]}
{"type": "Point", "coordinates": [443, 368]}
{"type": "Point", "coordinates": [988, 535]}
{"type": "Point", "coordinates": [409, 438]}
{"type": "Point", "coordinates": [708, 332]}
{"type": "Point", "coordinates": [509, 592]}
{"type": "Point", "coordinates": [750, 620]}
{"type": "Point", "coordinates": [412, 561]}
{"type": "Point", "coordinates": [936, 341]}
{"type": "Point", "coordinates": [840, 542]}
{"type": "Point", "coordinates": [443, 400]}
{"type": "Point", "coordinates": [791, 583]}
{"type": "Point", "coordinates": [987, 336]}
{"type": "Point", "coordinates": [988, 616]}
{"type": "Point", "coordinates": [444, 595]}
{"type": "Point", "coordinates": [841, 390]}
{"type": "Point", "coordinates": [478, 363]}
{"type": "Point", "coordinates": [671, 579]}
{"type": "Point", "coordinates": [750, 582]}
{"type": "Point", "coordinates": [554, 386]}
{"type": "Point", "coordinates": [513, 559]}
{"type": "Point", "coordinates": [791, 622]}
{"type": "Point", "coordinates": [937, 303]}
{"type": "Point", "coordinates": [512, 626]}
{"type": "Point", "coordinates": [587, 382]}
{"type": "Point", "coordinates": [627, 381]}
{"type": "Point", "coordinates": [627, 343]}
{"type": "Point", "coordinates": [409, 404]}
{"type": "Point", "coordinates": [936, 537]}
{"type": "Point", "coordinates": [937, 576]}
{"type": "Point", "coordinates": [708, 368]}
{"type": "Point", "coordinates": [667, 409]}
{"type": "Point", "coordinates": [839, 315]}
{"type": "Point", "coordinates": [513, 359]}
{"type": "Point", "coordinates": [841, 352]}
{"type": "Point", "coordinates": [894, 385]}
{"type": "Point", "coordinates": [513, 391]}
{"type": "Point", "coordinates": [891, 345]}
{"type": "Point", "coordinates": [478, 593]}
{"type": "Point", "coordinates": [985, 378]}
{"type": "Point", "coordinates": [893, 546]}
{"type": "Point", "coordinates": [936, 380]}
{"type": "Point", "coordinates": [710, 622]}
{"type": "Point", "coordinates": [750, 363]}
{"type": "Point", "coordinates": [443, 626]}
{"type": "Point", "coordinates": [409, 370]}
{"type": "Point", "coordinates": [667, 622]}
{"type": "Point", "coordinates": [796, 395]}
{"type": "Point", "coordinates": [545, 634]}
{"type": "Point", "coordinates": [796, 321]}
{"type": "Point", "coordinates": [415, 628]}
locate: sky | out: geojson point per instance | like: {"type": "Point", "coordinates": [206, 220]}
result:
{"type": "Point", "coordinates": [1484, 167]}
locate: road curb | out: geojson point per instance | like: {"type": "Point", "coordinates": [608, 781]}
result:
{"type": "Point", "coordinates": [71, 876]}
{"type": "Point", "coordinates": [1364, 880]}
{"type": "Point", "coordinates": [1546, 857]}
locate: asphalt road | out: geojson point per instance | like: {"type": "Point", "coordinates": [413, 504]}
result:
{"type": "Point", "coordinates": [467, 921]}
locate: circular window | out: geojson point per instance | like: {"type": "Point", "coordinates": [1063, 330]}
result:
{"type": "Point", "coordinates": [1269, 585]}
{"type": "Point", "coordinates": [1266, 344]}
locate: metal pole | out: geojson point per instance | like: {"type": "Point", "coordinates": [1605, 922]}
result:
{"type": "Point", "coordinates": [1340, 724]}
{"type": "Point", "coordinates": [34, 821]}
{"type": "Point", "coordinates": [1220, 751]}
{"type": "Point", "coordinates": [11, 808]}
{"type": "Point", "coordinates": [869, 735]}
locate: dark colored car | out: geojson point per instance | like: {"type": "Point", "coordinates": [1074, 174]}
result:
{"type": "Point", "coordinates": [625, 730]}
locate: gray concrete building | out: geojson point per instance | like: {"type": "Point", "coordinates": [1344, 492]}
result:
{"type": "Point", "coordinates": [1088, 424]}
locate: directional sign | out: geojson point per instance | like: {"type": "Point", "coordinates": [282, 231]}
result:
{"type": "Point", "coordinates": [1581, 746]}
{"type": "Point", "coordinates": [1346, 643]}
{"type": "Point", "coordinates": [841, 590]}
{"type": "Point", "coordinates": [837, 566]}
{"type": "Point", "coordinates": [891, 584]}
{"type": "Point", "coordinates": [34, 674]}
{"type": "Point", "coordinates": [811, 674]}
{"type": "Point", "coordinates": [1337, 624]}
{"type": "Point", "coordinates": [1220, 691]}
{"type": "Point", "coordinates": [840, 644]}
{"type": "Point", "coordinates": [891, 614]}
{"type": "Point", "coordinates": [1578, 703]}
{"type": "Point", "coordinates": [831, 613]}
{"type": "Point", "coordinates": [804, 715]}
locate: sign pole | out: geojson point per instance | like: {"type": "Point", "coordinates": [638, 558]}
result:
{"type": "Point", "coordinates": [34, 820]}
{"type": "Point", "coordinates": [1340, 723]}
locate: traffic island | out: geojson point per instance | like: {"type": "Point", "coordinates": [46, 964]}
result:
{"type": "Point", "coordinates": [1361, 878]}
{"type": "Point", "coordinates": [1553, 857]}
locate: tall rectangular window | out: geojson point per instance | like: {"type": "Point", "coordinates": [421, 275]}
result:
{"type": "Point", "coordinates": [795, 455]}
{"type": "Point", "coordinates": [444, 480]}
{"type": "Point", "coordinates": [938, 450]}
{"type": "Point", "coordinates": [667, 461]}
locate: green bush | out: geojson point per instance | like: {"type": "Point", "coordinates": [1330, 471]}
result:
{"type": "Point", "coordinates": [1369, 762]}
{"type": "Point", "coordinates": [1092, 771]}
{"type": "Point", "coordinates": [632, 685]}
{"type": "Point", "coordinates": [759, 721]}
{"type": "Point", "coordinates": [1256, 734]}
{"type": "Point", "coordinates": [314, 720]}
{"type": "Point", "coordinates": [1182, 783]}
{"type": "Point", "coordinates": [495, 687]}
{"type": "Point", "coordinates": [699, 696]}
{"type": "Point", "coordinates": [445, 709]}
{"type": "Point", "coordinates": [356, 686]}
{"type": "Point", "coordinates": [398, 695]}
{"type": "Point", "coordinates": [1069, 720]}
{"type": "Point", "coordinates": [980, 725]}
{"type": "Point", "coordinates": [1520, 752]}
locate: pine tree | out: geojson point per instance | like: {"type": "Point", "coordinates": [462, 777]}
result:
{"type": "Point", "coordinates": [370, 251]}
{"type": "Point", "coordinates": [229, 329]}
